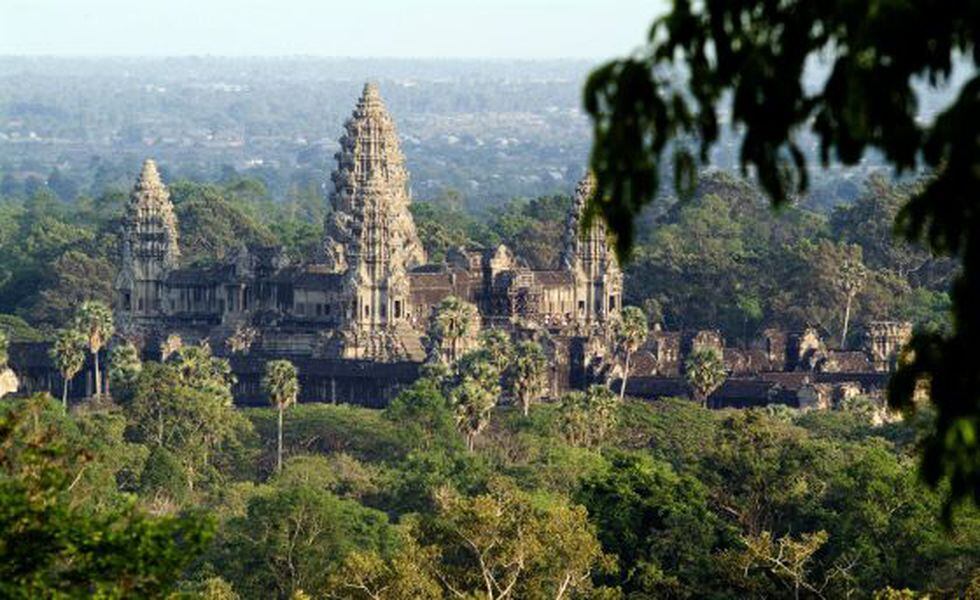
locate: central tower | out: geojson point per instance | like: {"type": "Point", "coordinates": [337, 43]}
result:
{"type": "Point", "coordinates": [370, 236]}
{"type": "Point", "coordinates": [149, 251]}
{"type": "Point", "coordinates": [588, 256]}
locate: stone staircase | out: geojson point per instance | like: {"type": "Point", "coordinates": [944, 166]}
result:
{"type": "Point", "coordinates": [410, 341]}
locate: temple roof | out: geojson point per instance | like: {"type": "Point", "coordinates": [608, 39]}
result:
{"type": "Point", "coordinates": [371, 184]}
{"type": "Point", "coordinates": [582, 246]}
{"type": "Point", "coordinates": [150, 222]}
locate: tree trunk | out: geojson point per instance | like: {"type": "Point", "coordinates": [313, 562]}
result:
{"type": "Point", "coordinates": [64, 393]}
{"type": "Point", "coordinates": [98, 375]}
{"type": "Point", "coordinates": [626, 374]}
{"type": "Point", "coordinates": [525, 404]}
{"type": "Point", "coordinates": [847, 318]}
{"type": "Point", "coordinates": [279, 447]}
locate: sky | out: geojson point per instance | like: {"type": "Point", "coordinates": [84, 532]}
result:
{"type": "Point", "coordinates": [537, 29]}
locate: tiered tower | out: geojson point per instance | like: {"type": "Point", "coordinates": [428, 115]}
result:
{"type": "Point", "coordinates": [588, 255]}
{"type": "Point", "coordinates": [149, 250]}
{"type": "Point", "coordinates": [885, 340]}
{"type": "Point", "coordinates": [370, 235]}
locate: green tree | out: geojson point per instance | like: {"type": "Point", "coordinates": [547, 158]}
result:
{"type": "Point", "coordinates": [185, 409]}
{"type": "Point", "coordinates": [704, 372]}
{"type": "Point", "coordinates": [407, 573]}
{"type": "Point", "coordinates": [53, 549]}
{"type": "Point", "coordinates": [94, 320]}
{"type": "Point", "coordinates": [425, 415]}
{"type": "Point", "coordinates": [526, 375]}
{"type": "Point", "coordinates": [292, 537]}
{"type": "Point", "coordinates": [68, 354]}
{"type": "Point", "coordinates": [788, 559]}
{"type": "Point", "coordinates": [631, 332]}
{"type": "Point", "coordinates": [752, 55]}
{"type": "Point", "coordinates": [474, 392]}
{"type": "Point", "coordinates": [587, 418]}
{"type": "Point", "coordinates": [212, 227]}
{"type": "Point", "coordinates": [506, 543]}
{"type": "Point", "coordinates": [454, 320]}
{"type": "Point", "coordinates": [870, 223]}
{"type": "Point", "coordinates": [75, 277]}
{"type": "Point", "coordinates": [498, 347]}
{"type": "Point", "coordinates": [282, 384]}
{"type": "Point", "coordinates": [658, 524]}
{"type": "Point", "coordinates": [124, 369]}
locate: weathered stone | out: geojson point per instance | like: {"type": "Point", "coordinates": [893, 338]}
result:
{"type": "Point", "coordinates": [149, 249]}
{"type": "Point", "coordinates": [9, 383]}
{"type": "Point", "coordinates": [588, 255]}
{"type": "Point", "coordinates": [372, 294]}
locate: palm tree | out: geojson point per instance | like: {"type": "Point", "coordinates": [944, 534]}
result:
{"type": "Point", "coordinates": [527, 372]}
{"type": "Point", "coordinates": [282, 384]}
{"type": "Point", "coordinates": [705, 372]}
{"type": "Point", "coordinates": [4, 350]}
{"type": "Point", "coordinates": [124, 368]}
{"type": "Point", "coordinates": [475, 392]}
{"type": "Point", "coordinates": [499, 349]}
{"type": "Point", "coordinates": [631, 332]}
{"type": "Point", "coordinates": [94, 321]}
{"type": "Point", "coordinates": [453, 320]}
{"type": "Point", "coordinates": [850, 279]}
{"type": "Point", "coordinates": [68, 354]}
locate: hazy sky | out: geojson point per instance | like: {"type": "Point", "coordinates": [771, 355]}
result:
{"type": "Point", "coordinates": [405, 28]}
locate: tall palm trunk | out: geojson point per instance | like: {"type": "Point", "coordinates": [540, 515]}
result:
{"type": "Point", "coordinates": [626, 374]}
{"type": "Point", "coordinates": [847, 318]}
{"type": "Point", "coordinates": [64, 392]}
{"type": "Point", "coordinates": [98, 375]}
{"type": "Point", "coordinates": [279, 446]}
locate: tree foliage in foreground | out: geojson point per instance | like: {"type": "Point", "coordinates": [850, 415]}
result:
{"type": "Point", "coordinates": [51, 547]}
{"type": "Point", "coordinates": [754, 54]}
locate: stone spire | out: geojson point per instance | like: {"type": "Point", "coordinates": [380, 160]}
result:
{"type": "Point", "coordinates": [369, 150]}
{"type": "Point", "coordinates": [150, 223]}
{"type": "Point", "coordinates": [370, 236]}
{"type": "Point", "coordinates": [591, 259]}
{"type": "Point", "coordinates": [149, 249]}
{"type": "Point", "coordinates": [580, 246]}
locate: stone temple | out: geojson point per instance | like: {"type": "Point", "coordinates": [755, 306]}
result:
{"type": "Point", "coordinates": [354, 317]}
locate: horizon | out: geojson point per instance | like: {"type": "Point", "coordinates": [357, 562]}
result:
{"type": "Point", "coordinates": [432, 29]}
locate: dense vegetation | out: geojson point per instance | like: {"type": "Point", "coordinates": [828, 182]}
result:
{"type": "Point", "coordinates": [467, 485]}
{"type": "Point", "coordinates": [744, 63]}
{"type": "Point", "coordinates": [584, 498]}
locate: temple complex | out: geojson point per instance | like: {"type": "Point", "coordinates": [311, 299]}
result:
{"type": "Point", "coordinates": [353, 317]}
{"type": "Point", "coordinates": [369, 295]}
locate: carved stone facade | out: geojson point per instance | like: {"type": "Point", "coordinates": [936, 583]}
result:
{"type": "Point", "coordinates": [884, 341]}
{"type": "Point", "coordinates": [370, 294]}
{"type": "Point", "coordinates": [149, 249]}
